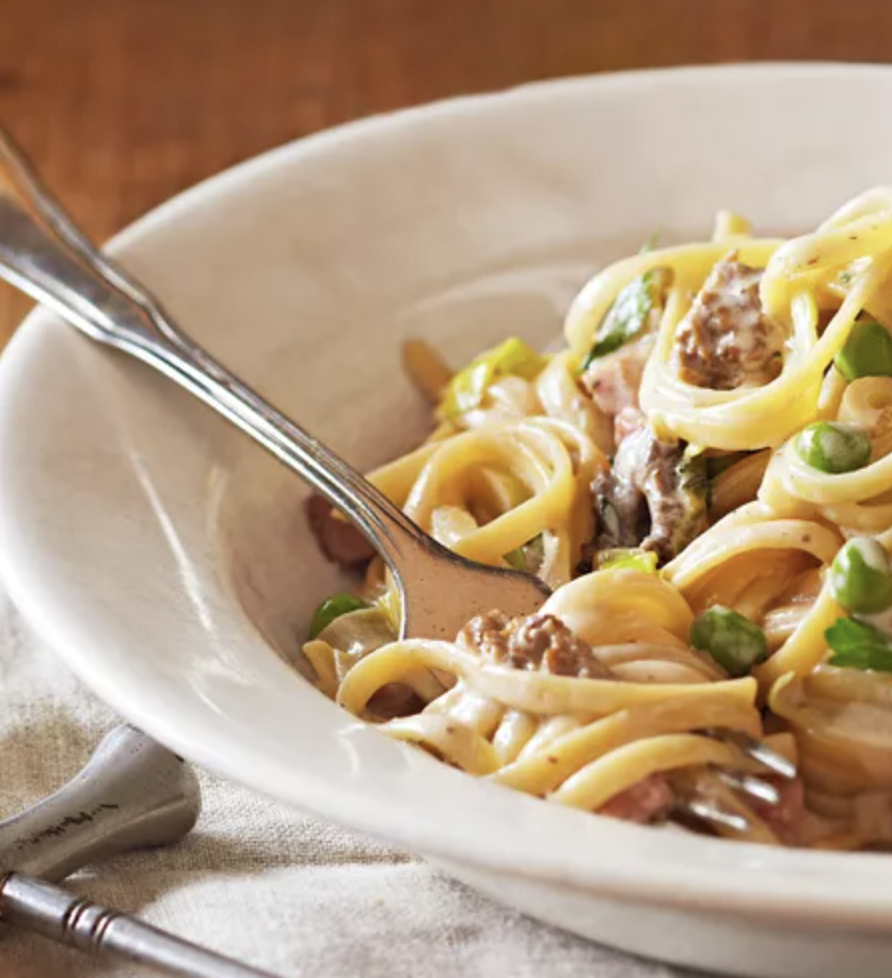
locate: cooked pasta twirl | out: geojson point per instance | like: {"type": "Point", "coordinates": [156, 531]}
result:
{"type": "Point", "coordinates": [703, 476]}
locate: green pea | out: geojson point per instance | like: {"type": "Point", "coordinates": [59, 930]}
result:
{"type": "Point", "coordinates": [861, 577]}
{"type": "Point", "coordinates": [735, 642]}
{"type": "Point", "coordinates": [832, 447]}
{"type": "Point", "coordinates": [867, 352]}
{"type": "Point", "coordinates": [332, 608]}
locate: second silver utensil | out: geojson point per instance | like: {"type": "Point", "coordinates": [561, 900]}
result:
{"type": "Point", "coordinates": [133, 793]}
{"type": "Point", "coordinates": [45, 255]}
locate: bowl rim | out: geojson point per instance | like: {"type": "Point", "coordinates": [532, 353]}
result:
{"type": "Point", "coordinates": [840, 889]}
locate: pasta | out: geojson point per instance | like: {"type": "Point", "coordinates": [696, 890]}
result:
{"type": "Point", "coordinates": [703, 476]}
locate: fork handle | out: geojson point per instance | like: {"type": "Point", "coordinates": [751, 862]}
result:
{"type": "Point", "coordinates": [132, 793]}
{"type": "Point", "coordinates": [44, 254]}
{"type": "Point", "coordinates": [67, 919]}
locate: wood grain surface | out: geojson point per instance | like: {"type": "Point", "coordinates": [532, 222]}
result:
{"type": "Point", "coordinates": [122, 103]}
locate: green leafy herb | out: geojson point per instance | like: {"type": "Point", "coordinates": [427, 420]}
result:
{"type": "Point", "coordinates": [857, 645]}
{"type": "Point", "coordinates": [468, 387]}
{"type": "Point", "coordinates": [528, 557]}
{"type": "Point", "coordinates": [332, 608]}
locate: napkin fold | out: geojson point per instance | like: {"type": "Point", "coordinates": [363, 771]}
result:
{"type": "Point", "coordinates": [258, 881]}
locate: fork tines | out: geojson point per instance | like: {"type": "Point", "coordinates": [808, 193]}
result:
{"type": "Point", "coordinates": [755, 749]}
{"type": "Point", "coordinates": [710, 812]}
{"type": "Point", "coordinates": [747, 784]}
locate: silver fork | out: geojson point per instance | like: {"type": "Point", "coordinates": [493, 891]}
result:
{"type": "Point", "coordinates": [44, 254]}
{"type": "Point", "coordinates": [752, 787]}
{"type": "Point", "coordinates": [133, 793]}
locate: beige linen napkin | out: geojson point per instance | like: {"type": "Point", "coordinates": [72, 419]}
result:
{"type": "Point", "coordinates": [258, 881]}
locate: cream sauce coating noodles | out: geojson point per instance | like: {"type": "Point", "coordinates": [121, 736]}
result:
{"type": "Point", "coordinates": [653, 494]}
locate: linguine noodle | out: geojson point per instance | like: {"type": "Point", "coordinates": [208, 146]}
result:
{"type": "Point", "coordinates": [511, 475]}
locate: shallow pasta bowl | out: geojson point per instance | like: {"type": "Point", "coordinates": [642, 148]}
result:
{"type": "Point", "coordinates": [168, 561]}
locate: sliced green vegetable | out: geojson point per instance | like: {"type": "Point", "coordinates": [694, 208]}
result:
{"type": "Point", "coordinates": [650, 243]}
{"type": "Point", "coordinates": [735, 642]}
{"type": "Point", "coordinates": [630, 313]}
{"type": "Point", "coordinates": [692, 472]}
{"type": "Point", "coordinates": [861, 577]}
{"type": "Point", "coordinates": [856, 645]}
{"type": "Point", "coordinates": [631, 559]}
{"type": "Point", "coordinates": [867, 352]}
{"type": "Point", "coordinates": [468, 387]}
{"type": "Point", "coordinates": [332, 608]}
{"type": "Point", "coordinates": [694, 495]}
{"type": "Point", "coordinates": [829, 446]}
{"type": "Point", "coordinates": [516, 558]}
{"type": "Point", "coordinates": [528, 557]}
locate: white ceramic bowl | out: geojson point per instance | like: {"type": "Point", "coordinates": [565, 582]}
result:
{"type": "Point", "coordinates": [168, 561]}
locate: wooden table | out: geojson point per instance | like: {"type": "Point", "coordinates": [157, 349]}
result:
{"type": "Point", "coordinates": [124, 102]}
